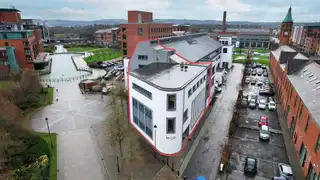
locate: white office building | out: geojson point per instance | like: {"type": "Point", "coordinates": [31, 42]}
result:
{"type": "Point", "coordinates": [170, 84]}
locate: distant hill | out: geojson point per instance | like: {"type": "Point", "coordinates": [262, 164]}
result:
{"type": "Point", "coordinates": [69, 23]}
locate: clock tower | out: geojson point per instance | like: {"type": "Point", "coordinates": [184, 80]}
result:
{"type": "Point", "coordinates": [286, 29]}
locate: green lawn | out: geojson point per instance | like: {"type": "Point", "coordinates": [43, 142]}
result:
{"type": "Point", "coordinates": [262, 59]}
{"type": "Point", "coordinates": [103, 54]}
{"type": "Point", "coordinates": [7, 84]}
{"type": "Point", "coordinates": [83, 49]}
{"type": "Point", "coordinates": [254, 50]}
{"type": "Point", "coordinates": [53, 153]}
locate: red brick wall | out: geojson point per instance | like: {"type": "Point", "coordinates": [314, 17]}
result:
{"type": "Point", "coordinates": [288, 99]}
{"type": "Point", "coordinates": [20, 55]}
{"type": "Point", "coordinates": [10, 16]}
{"type": "Point", "coordinates": [146, 17]}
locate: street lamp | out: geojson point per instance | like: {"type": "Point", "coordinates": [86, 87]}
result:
{"type": "Point", "coordinates": [155, 135]}
{"type": "Point", "coordinates": [46, 119]}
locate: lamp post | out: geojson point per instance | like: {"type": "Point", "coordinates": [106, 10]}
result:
{"type": "Point", "coordinates": [46, 119]}
{"type": "Point", "coordinates": [155, 135]}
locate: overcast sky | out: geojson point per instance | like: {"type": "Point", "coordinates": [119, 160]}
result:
{"type": "Point", "coordinates": [243, 10]}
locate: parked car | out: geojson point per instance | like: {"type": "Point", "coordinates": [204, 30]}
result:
{"type": "Point", "coordinates": [264, 132]}
{"type": "Point", "coordinates": [260, 83]}
{"type": "Point", "coordinates": [119, 68]}
{"type": "Point", "coordinates": [266, 92]}
{"type": "Point", "coordinates": [247, 80]}
{"type": "Point", "coordinates": [253, 81]}
{"type": "Point", "coordinates": [253, 73]}
{"type": "Point", "coordinates": [262, 104]}
{"type": "Point", "coordinates": [258, 65]}
{"type": "Point", "coordinates": [263, 121]}
{"type": "Point", "coordinates": [254, 65]}
{"type": "Point", "coordinates": [248, 72]}
{"type": "Point", "coordinates": [259, 73]}
{"type": "Point", "coordinates": [264, 67]}
{"type": "Point", "coordinates": [217, 88]}
{"type": "Point", "coordinates": [285, 170]}
{"type": "Point", "coordinates": [250, 165]}
{"type": "Point", "coordinates": [278, 178]}
{"type": "Point", "coordinates": [252, 103]}
{"type": "Point", "coordinates": [272, 106]}
{"type": "Point", "coordinates": [252, 96]}
{"type": "Point", "coordinates": [270, 99]}
{"type": "Point", "coordinates": [265, 74]}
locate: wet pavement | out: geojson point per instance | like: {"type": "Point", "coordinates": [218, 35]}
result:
{"type": "Point", "coordinates": [206, 158]}
{"type": "Point", "coordinates": [246, 142]}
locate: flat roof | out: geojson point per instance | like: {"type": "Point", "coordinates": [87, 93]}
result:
{"type": "Point", "coordinates": [192, 47]}
{"type": "Point", "coordinates": [168, 75]}
{"type": "Point", "coordinates": [3, 9]}
{"type": "Point", "coordinates": [306, 82]}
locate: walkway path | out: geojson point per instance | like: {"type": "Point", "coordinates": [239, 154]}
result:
{"type": "Point", "coordinates": [206, 157]}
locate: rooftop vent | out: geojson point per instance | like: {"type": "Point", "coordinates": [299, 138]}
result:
{"type": "Point", "coordinates": [182, 66]}
{"type": "Point", "coordinates": [185, 67]}
{"type": "Point", "coordinates": [318, 82]}
{"type": "Point", "coordinates": [310, 75]}
{"type": "Point", "coordinates": [305, 70]}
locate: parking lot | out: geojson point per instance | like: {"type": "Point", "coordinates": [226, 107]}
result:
{"type": "Point", "coordinates": [247, 143]}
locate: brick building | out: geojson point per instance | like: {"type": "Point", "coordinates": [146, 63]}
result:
{"type": "Point", "coordinates": [306, 37]}
{"type": "Point", "coordinates": [106, 36]}
{"type": "Point", "coordinates": [297, 79]}
{"type": "Point", "coordinates": [26, 42]}
{"type": "Point", "coordinates": [140, 27]}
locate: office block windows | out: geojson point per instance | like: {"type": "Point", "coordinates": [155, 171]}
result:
{"type": "Point", "coordinates": [142, 117]}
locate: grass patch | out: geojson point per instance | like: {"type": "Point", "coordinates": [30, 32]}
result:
{"type": "Point", "coordinates": [8, 84]}
{"type": "Point", "coordinates": [83, 49]}
{"type": "Point", "coordinates": [254, 50]}
{"type": "Point", "coordinates": [53, 153]}
{"type": "Point", "coordinates": [103, 54]}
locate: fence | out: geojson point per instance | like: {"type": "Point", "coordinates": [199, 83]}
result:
{"type": "Point", "coordinates": [67, 79]}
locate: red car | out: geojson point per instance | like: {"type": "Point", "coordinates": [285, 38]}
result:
{"type": "Point", "coordinates": [263, 121]}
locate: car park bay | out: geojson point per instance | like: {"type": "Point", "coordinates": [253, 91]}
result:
{"type": "Point", "coordinates": [264, 142]}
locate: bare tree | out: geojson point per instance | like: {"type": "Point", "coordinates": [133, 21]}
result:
{"type": "Point", "coordinates": [118, 128]}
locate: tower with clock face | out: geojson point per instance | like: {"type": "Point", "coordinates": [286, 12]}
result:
{"type": "Point", "coordinates": [286, 29]}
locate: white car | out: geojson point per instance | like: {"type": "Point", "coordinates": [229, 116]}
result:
{"type": "Point", "coordinates": [247, 80]}
{"type": "Point", "coordinates": [264, 132]}
{"type": "Point", "coordinates": [272, 106]}
{"type": "Point", "coordinates": [262, 104]}
{"type": "Point", "coordinates": [285, 171]}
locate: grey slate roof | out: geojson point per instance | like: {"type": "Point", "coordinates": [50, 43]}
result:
{"type": "Point", "coordinates": [308, 87]}
{"type": "Point", "coordinates": [194, 50]}
{"type": "Point", "coordinates": [168, 75]}
{"type": "Point", "coordinates": [278, 51]}
{"type": "Point", "coordinates": [107, 30]}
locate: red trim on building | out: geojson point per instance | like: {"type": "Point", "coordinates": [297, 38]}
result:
{"type": "Point", "coordinates": [202, 113]}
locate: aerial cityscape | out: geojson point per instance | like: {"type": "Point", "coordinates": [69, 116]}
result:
{"type": "Point", "coordinates": [160, 90]}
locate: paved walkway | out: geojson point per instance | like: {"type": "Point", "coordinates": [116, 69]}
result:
{"type": "Point", "coordinates": [206, 157]}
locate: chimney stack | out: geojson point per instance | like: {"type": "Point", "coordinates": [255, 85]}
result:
{"type": "Point", "coordinates": [224, 21]}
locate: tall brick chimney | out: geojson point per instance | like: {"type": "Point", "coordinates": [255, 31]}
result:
{"type": "Point", "coordinates": [224, 21]}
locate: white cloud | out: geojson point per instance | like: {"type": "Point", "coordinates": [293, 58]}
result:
{"type": "Point", "coordinates": [67, 11]}
{"type": "Point", "coordinates": [232, 6]}
{"type": "Point", "coordinates": [118, 8]}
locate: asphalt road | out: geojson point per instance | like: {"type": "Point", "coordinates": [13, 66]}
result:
{"type": "Point", "coordinates": [206, 158]}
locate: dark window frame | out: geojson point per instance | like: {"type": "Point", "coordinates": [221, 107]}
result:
{"type": "Point", "coordinates": [142, 91]}
{"type": "Point", "coordinates": [173, 130]}
{"type": "Point", "coordinates": [140, 31]}
{"type": "Point", "coordinates": [185, 115]}
{"type": "Point", "coordinates": [307, 124]}
{"type": "Point", "coordinates": [225, 50]}
{"type": "Point", "coordinates": [317, 147]}
{"type": "Point", "coordinates": [168, 102]}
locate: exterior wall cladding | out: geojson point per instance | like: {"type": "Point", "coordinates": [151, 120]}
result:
{"type": "Point", "coordinates": [12, 17]}
{"type": "Point", "coordinates": [189, 107]}
{"type": "Point", "coordinates": [140, 27]}
{"type": "Point", "coordinates": [297, 116]}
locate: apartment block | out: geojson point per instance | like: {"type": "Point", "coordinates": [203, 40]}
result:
{"type": "Point", "coordinates": [140, 27]}
{"type": "Point", "coordinates": [107, 36]}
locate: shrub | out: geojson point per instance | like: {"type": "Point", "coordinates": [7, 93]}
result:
{"type": "Point", "coordinates": [38, 170]}
{"type": "Point", "coordinates": [35, 147]}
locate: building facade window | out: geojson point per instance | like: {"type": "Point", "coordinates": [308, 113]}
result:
{"type": "Point", "coordinates": [185, 115]}
{"type": "Point", "coordinates": [225, 50]}
{"type": "Point", "coordinates": [307, 125]}
{"type": "Point", "coordinates": [189, 92]}
{"type": "Point", "coordinates": [317, 147]}
{"type": "Point", "coordinates": [140, 31]}
{"type": "Point", "coordinates": [295, 102]}
{"type": "Point", "coordinates": [171, 125]}
{"type": "Point", "coordinates": [171, 102]}
{"type": "Point", "coordinates": [141, 90]}
{"type": "Point", "coordinates": [312, 175]}
{"type": "Point", "coordinates": [142, 57]}
{"type": "Point", "coordinates": [303, 155]}
{"type": "Point", "coordinates": [142, 117]}
{"type": "Point", "coordinates": [6, 43]}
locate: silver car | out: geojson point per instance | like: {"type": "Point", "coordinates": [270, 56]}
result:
{"type": "Point", "coordinates": [264, 132]}
{"type": "Point", "coordinates": [262, 104]}
{"type": "Point", "coordinates": [285, 171]}
{"type": "Point", "coordinates": [252, 103]}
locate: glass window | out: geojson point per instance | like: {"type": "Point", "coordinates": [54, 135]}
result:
{"type": "Point", "coordinates": [140, 31]}
{"type": "Point", "coordinates": [141, 90]}
{"type": "Point", "coordinates": [171, 102]}
{"type": "Point", "coordinates": [189, 92]}
{"type": "Point", "coordinates": [185, 115]}
{"type": "Point", "coordinates": [171, 125]}
{"type": "Point", "coordinates": [225, 50]}
{"type": "Point", "coordinates": [141, 116]}
{"type": "Point", "coordinates": [194, 88]}
{"type": "Point", "coordinates": [307, 125]}
{"type": "Point", "coordinates": [316, 149]}
{"type": "Point", "coordinates": [6, 43]}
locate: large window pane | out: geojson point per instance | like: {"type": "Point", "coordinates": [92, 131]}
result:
{"type": "Point", "coordinates": [171, 102]}
{"type": "Point", "coordinates": [171, 125]}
